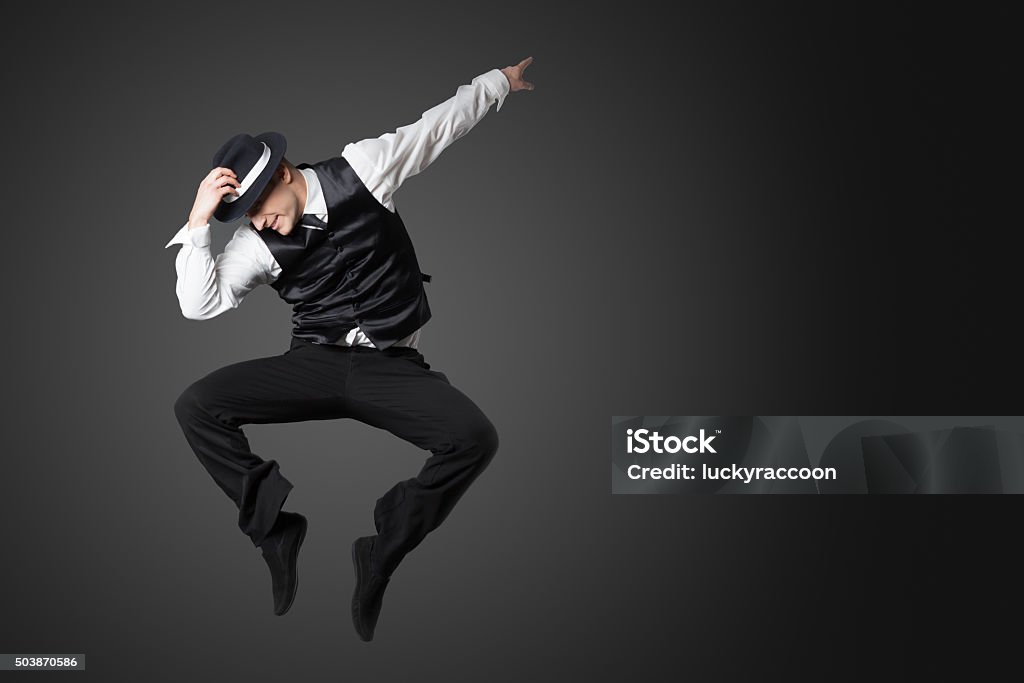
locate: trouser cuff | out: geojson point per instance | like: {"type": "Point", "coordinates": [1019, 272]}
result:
{"type": "Point", "coordinates": [264, 491]}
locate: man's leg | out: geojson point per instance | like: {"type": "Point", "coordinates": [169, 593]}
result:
{"type": "Point", "coordinates": [304, 383]}
{"type": "Point", "coordinates": [396, 390]}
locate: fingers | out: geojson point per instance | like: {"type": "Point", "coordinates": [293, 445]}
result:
{"type": "Point", "coordinates": [216, 175]}
{"type": "Point", "coordinates": [517, 71]}
{"type": "Point", "coordinates": [223, 181]}
{"type": "Point", "coordinates": [224, 186]}
{"type": "Point", "coordinates": [219, 177]}
{"type": "Point", "coordinates": [219, 170]}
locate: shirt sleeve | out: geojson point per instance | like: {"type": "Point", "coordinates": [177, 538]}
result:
{"type": "Point", "coordinates": [384, 163]}
{"type": "Point", "coordinates": [208, 286]}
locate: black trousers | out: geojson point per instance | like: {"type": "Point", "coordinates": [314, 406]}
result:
{"type": "Point", "coordinates": [392, 389]}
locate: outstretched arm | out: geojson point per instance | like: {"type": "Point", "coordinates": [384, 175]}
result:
{"type": "Point", "coordinates": [384, 163]}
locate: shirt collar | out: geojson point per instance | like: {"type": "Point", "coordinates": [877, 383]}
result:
{"type": "Point", "coordinates": [315, 202]}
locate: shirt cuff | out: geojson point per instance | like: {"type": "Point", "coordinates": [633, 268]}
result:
{"type": "Point", "coordinates": [197, 237]}
{"type": "Point", "coordinates": [497, 84]}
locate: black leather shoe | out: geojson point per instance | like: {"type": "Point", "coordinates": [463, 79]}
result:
{"type": "Point", "coordinates": [281, 553]}
{"type": "Point", "coordinates": [369, 592]}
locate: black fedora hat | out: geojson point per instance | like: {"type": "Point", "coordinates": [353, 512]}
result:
{"type": "Point", "coordinates": [254, 160]}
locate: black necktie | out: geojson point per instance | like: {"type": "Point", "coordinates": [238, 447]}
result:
{"type": "Point", "coordinates": [310, 219]}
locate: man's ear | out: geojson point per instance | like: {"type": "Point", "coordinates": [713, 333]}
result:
{"type": "Point", "coordinates": [284, 172]}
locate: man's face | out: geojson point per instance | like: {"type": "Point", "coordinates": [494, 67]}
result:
{"type": "Point", "coordinates": [277, 208]}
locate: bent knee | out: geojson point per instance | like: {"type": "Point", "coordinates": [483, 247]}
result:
{"type": "Point", "coordinates": [482, 436]}
{"type": "Point", "coordinates": [189, 403]}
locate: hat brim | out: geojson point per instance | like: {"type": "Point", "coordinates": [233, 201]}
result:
{"type": "Point", "coordinates": [231, 211]}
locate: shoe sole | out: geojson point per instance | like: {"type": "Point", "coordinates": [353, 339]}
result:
{"type": "Point", "coordinates": [293, 566]}
{"type": "Point", "coordinates": [355, 592]}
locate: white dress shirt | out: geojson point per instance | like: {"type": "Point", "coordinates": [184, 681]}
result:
{"type": "Point", "coordinates": [208, 286]}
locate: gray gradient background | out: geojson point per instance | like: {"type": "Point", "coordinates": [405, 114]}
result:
{"type": "Point", "coordinates": [725, 210]}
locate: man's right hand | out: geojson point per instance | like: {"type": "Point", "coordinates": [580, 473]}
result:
{"type": "Point", "coordinates": [219, 182]}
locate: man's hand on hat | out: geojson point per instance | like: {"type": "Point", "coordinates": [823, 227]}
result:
{"type": "Point", "coordinates": [514, 74]}
{"type": "Point", "coordinates": [217, 183]}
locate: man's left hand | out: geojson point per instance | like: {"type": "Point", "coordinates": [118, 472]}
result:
{"type": "Point", "coordinates": [514, 74]}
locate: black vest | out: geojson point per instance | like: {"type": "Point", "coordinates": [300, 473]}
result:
{"type": "Point", "coordinates": [360, 271]}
